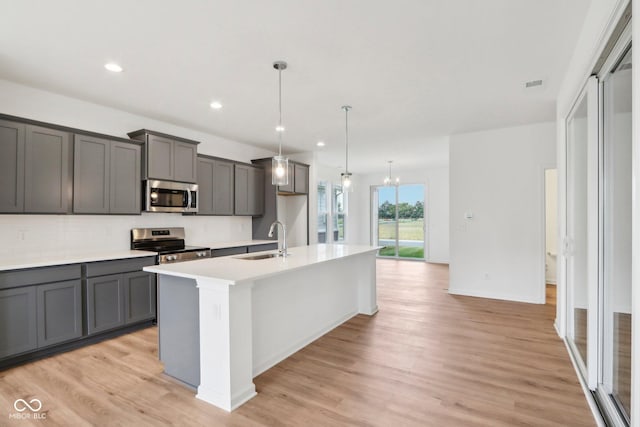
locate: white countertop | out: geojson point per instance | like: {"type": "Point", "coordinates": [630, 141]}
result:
{"type": "Point", "coordinates": [233, 270]}
{"type": "Point", "coordinates": [235, 244]}
{"type": "Point", "coordinates": [20, 261]}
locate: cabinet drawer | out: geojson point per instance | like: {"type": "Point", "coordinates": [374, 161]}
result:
{"type": "Point", "coordinates": [263, 247]}
{"type": "Point", "coordinates": [228, 251]}
{"type": "Point", "coordinates": [103, 268]}
{"type": "Point", "coordinates": [33, 276]}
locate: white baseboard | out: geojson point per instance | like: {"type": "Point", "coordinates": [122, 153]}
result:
{"type": "Point", "coordinates": [491, 295]}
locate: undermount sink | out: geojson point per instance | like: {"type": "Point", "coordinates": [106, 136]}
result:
{"type": "Point", "coordinates": [259, 256]}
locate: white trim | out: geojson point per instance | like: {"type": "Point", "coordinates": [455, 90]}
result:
{"type": "Point", "coordinates": [493, 295]}
{"type": "Point", "coordinates": [543, 232]}
{"type": "Point", "coordinates": [593, 227]}
{"type": "Point", "coordinates": [635, 239]}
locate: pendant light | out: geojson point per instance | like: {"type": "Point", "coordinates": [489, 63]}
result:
{"type": "Point", "coordinates": [345, 177]}
{"type": "Point", "coordinates": [387, 179]}
{"type": "Point", "coordinates": [280, 164]}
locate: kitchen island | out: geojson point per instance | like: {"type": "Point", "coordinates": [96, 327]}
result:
{"type": "Point", "coordinates": [223, 321]}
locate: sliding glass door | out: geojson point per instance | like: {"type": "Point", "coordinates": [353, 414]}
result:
{"type": "Point", "coordinates": [398, 213]}
{"type": "Point", "coordinates": [597, 246]}
{"type": "Point", "coordinates": [615, 382]}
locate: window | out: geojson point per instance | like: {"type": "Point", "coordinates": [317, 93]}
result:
{"type": "Point", "coordinates": [323, 213]}
{"type": "Point", "coordinates": [339, 213]}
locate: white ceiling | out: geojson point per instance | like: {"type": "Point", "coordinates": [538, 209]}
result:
{"type": "Point", "coordinates": [414, 71]}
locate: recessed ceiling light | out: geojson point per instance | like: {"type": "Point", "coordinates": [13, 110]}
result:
{"type": "Point", "coordinates": [279, 128]}
{"type": "Point", "coordinates": [216, 105]}
{"type": "Point", "coordinates": [320, 144]}
{"type": "Point", "coordinates": [112, 66]}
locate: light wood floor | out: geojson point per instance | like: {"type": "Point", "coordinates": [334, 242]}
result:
{"type": "Point", "coordinates": [427, 358]}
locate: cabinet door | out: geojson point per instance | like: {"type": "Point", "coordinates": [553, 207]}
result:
{"type": "Point", "coordinates": [301, 179]}
{"type": "Point", "coordinates": [139, 296]}
{"type": "Point", "coordinates": [125, 180]}
{"type": "Point", "coordinates": [105, 303]}
{"type": "Point", "coordinates": [160, 157]}
{"type": "Point", "coordinates": [11, 166]}
{"type": "Point", "coordinates": [205, 186]}
{"type": "Point", "coordinates": [256, 191]}
{"type": "Point", "coordinates": [289, 188]}
{"type": "Point", "coordinates": [91, 175]}
{"type": "Point", "coordinates": [223, 187]}
{"type": "Point", "coordinates": [18, 325]}
{"type": "Point", "coordinates": [47, 181]}
{"type": "Point", "coordinates": [185, 155]}
{"type": "Point", "coordinates": [241, 185]}
{"type": "Point", "coordinates": [59, 312]}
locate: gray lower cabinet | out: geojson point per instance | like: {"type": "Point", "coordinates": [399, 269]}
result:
{"type": "Point", "coordinates": [105, 303]}
{"type": "Point", "coordinates": [47, 170]}
{"type": "Point", "coordinates": [140, 296]}
{"type": "Point", "coordinates": [118, 293]}
{"type": "Point", "coordinates": [106, 176]}
{"type": "Point", "coordinates": [59, 312]}
{"type": "Point", "coordinates": [18, 330]}
{"type": "Point", "coordinates": [249, 193]}
{"type": "Point", "coordinates": [11, 166]}
{"type": "Point", "coordinates": [215, 186]}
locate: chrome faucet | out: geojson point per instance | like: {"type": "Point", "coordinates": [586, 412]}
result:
{"type": "Point", "coordinates": [283, 251]}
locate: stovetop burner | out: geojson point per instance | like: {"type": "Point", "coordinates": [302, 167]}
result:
{"type": "Point", "coordinates": [168, 243]}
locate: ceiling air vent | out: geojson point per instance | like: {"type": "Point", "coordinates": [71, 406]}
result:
{"type": "Point", "coordinates": [533, 83]}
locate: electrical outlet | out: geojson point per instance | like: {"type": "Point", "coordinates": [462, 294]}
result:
{"type": "Point", "coordinates": [22, 234]}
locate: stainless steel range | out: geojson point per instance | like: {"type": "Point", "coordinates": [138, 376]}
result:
{"type": "Point", "coordinates": [168, 242]}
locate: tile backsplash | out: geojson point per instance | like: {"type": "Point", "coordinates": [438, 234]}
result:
{"type": "Point", "coordinates": [51, 234]}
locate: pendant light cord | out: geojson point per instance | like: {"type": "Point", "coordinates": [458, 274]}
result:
{"type": "Point", "coordinates": [280, 111]}
{"type": "Point", "coordinates": [346, 132]}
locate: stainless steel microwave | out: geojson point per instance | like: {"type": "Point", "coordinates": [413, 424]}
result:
{"type": "Point", "coordinates": [167, 196]}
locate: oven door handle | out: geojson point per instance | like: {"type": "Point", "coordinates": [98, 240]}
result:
{"type": "Point", "coordinates": [188, 199]}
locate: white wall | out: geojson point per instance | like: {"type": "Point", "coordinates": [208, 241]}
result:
{"type": "Point", "coordinates": [436, 183]}
{"type": "Point", "coordinates": [498, 177]}
{"type": "Point", "coordinates": [55, 233]}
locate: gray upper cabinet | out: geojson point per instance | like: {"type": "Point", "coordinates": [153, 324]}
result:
{"type": "Point", "coordinates": [11, 166]}
{"type": "Point", "coordinates": [298, 179]}
{"type": "Point", "coordinates": [215, 186]}
{"type": "Point", "coordinates": [160, 158]}
{"type": "Point", "coordinates": [289, 187]}
{"type": "Point", "coordinates": [59, 312]}
{"type": "Point", "coordinates": [168, 157]}
{"type": "Point", "coordinates": [125, 181]}
{"type": "Point", "coordinates": [301, 178]}
{"type": "Point", "coordinates": [91, 172]}
{"type": "Point", "coordinates": [205, 186]}
{"type": "Point", "coordinates": [47, 170]}
{"type": "Point", "coordinates": [18, 330]}
{"type": "Point", "coordinates": [185, 155]}
{"type": "Point", "coordinates": [106, 176]}
{"type": "Point", "coordinates": [249, 193]}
